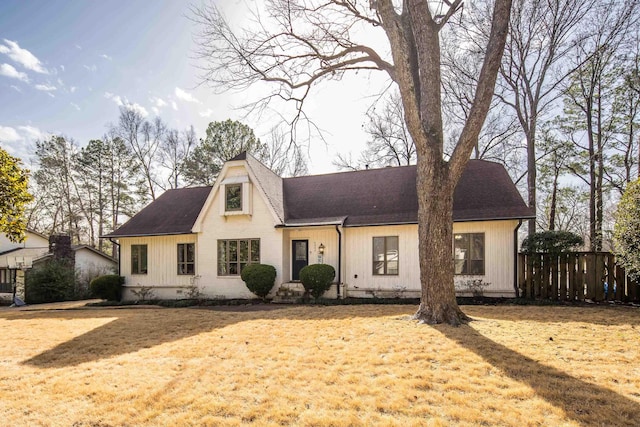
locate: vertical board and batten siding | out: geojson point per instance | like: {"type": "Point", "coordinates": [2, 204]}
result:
{"type": "Point", "coordinates": [499, 256]}
{"type": "Point", "coordinates": [499, 259]}
{"type": "Point", "coordinates": [162, 266]}
{"type": "Point", "coordinates": [259, 225]}
{"type": "Point", "coordinates": [316, 236]}
{"type": "Point", "coordinates": [359, 262]}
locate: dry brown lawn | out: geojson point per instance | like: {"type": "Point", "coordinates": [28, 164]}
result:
{"type": "Point", "coordinates": [338, 366]}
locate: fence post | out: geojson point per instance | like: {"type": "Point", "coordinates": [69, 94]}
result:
{"type": "Point", "coordinates": [563, 276]}
{"type": "Point", "coordinates": [572, 276]}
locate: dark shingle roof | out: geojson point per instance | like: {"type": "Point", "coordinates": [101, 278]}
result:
{"type": "Point", "coordinates": [174, 212]}
{"type": "Point", "coordinates": [369, 197]}
{"type": "Point", "coordinates": [388, 196]}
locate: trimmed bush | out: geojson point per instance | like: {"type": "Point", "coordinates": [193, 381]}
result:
{"type": "Point", "coordinates": [551, 242]}
{"type": "Point", "coordinates": [52, 282]}
{"type": "Point", "coordinates": [317, 278]}
{"type": "Point", "coordinates": [259, 278]}
{"type": "Point", "coordinates": [107, 287]}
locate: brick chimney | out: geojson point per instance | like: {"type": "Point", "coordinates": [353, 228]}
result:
{"type": "Point", "coordinates": [60, 247]}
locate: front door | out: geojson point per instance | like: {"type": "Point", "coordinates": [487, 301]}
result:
{"type": "Point", "coordinates": [299, 257]}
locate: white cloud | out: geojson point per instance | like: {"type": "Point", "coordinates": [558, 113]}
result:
{"type": "Point", "coordinates": [114, 98]}
{"type": "Point", "coordinates": [31, 132]}
{"type": "Point", "coordinates": [124, 102]}
{"type": "Point", "coordinates": [207, 113]}
{"type": "Point", "coordinates": [91, 68]}
{"type": "Point", "coordinates": [137, 108]}
{"type": "Point", "coordinates": [22, 56]}
{"type": "Point", "coordinates": [9, 134]}
{"type": "Point", "coordinates": [76, 106]}
{"type": "Point", "coordinates": [8, 71]}
{"type": "Point", "coordinates": [78, 46]}
{"type": "Point", "coordinates": [72, 89]}
{"type": "Point", "coordinates": [158, 102]}
{"type": "Point", "coordinates": [62, 67]}
{"type": "Point", "coordinates": [107, 57]}
{"type": "Point", "coordinates": [16, 88]}
{"type": "Point", "coordinates": [186, 96]}
{"type": "Point", "coordinates": [45, 87]}
{"type": "Point", "coordinates": [174, 105]}
{"type": "Point", "coordinates": [51, 95]}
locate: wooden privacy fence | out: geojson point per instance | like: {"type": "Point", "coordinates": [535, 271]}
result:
{"type": "Point", "coordinates": [575, 276]}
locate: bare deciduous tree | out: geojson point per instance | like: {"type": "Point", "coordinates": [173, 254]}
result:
{"type": "Point", "coordinates": [174, 150]}
{"type": "Point", "coordinates": [282, 156]}
{"type": "Point", "coordinates": [389, 144]}
{"type": "Point", "coordinates": [305, 42]}
{"type": "Point", "coordinates": [143, 139]}
{"type": "Point", "coordinates": [541, 34]}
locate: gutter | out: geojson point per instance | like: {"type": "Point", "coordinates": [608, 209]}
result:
{"type": "Point", "coordinates": [118, 245]}
{"type": "Point", "coordinates": [515, 258]}
{"type": "Point", "coordinates": [339, 261]}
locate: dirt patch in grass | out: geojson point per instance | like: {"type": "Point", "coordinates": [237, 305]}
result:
{"type": "Point", "coordinates": [315, 365]}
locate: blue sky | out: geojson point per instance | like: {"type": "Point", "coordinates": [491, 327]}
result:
{"type": "Point", "coordinates": [66, 66]}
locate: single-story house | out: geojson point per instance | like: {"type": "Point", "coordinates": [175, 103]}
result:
{"type": "Point", "coordinates": [36, 249]}
{"type": "Point", "coordinates": [363, 223]}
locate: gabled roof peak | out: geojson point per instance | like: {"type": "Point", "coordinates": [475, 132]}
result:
{"type": "Point", "coordinates": [241, 156]}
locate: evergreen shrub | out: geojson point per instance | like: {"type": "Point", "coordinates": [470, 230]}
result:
{"type": "Point", "coordinates": [317, 278]}
{"type": "Point", "coordinates": [108, 287]}
{"type": "Point", "coordinates": [259, 278]}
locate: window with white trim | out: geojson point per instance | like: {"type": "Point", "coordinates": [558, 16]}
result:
{"type": "Point", "coordinates": [138, 259]}
{"type": "Point", "coordinates": [233, 197]}
{"type": "Point", "coordinates": [186, 258]}
{"type": "Point", "coordinates": [468, 253]}
{"type": "Point", "coordinates": [234, 255]}
{"type": "Point", "coordinates": [385, 256]}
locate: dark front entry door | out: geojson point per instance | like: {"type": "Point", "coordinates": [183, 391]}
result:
{"type": "Point", "coordinates": [299, 257]}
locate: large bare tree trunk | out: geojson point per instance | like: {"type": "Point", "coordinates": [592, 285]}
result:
{"type": "Point", "coordinates": [435, 232]}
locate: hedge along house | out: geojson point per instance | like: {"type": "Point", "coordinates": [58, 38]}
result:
{"type": "Point", "coordinates": [364, 223]}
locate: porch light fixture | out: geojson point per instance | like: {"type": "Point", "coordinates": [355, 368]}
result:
{"type": "Point", "coordinates": [321, 249]}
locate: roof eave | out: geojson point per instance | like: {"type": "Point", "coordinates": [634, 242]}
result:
{"type": "Point", "coordinates": [118, 236]}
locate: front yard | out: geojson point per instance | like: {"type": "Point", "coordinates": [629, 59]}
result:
{"type": "Point", "coordinates": [340, 365]}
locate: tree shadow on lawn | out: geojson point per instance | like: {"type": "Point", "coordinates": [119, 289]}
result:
{"type": "Point", "coordinates": [597, 315]}
{"type": "Point", "coordinates": [586, 403]}
{"type": "Point", "coordinates": [136, 329]}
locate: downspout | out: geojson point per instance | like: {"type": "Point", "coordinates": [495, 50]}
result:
{"type": "Point", "coordinates": [118, 245]}
{"type": "Point", "coordinates": [339, 261]}
{"type": "Point", "coordinates": [515, 258]}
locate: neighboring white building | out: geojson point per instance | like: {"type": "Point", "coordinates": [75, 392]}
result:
{"type": "Point", "coordinates": [89, 262]}
{"type": "Point", "coordinates": [363, 223]}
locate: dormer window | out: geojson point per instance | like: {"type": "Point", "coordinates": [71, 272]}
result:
{"type": "Point", "coordinates": [233, 197]}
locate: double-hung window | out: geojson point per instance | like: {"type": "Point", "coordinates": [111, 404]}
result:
{"type": "Point", "coordinates": [138, 259]}
{"type": "Point", "coordinates": [468, 253]}
{"type": "Point", "coordinates": [186, 258]}
{"type": "Point", "coordinates": [385, 256]}
{"type": "Point", "coordinates": [234, 255]}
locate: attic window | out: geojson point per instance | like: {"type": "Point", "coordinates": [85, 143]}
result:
{"type": "Point", "coordinates": [233, 197]}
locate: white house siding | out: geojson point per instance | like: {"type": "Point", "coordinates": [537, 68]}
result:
{"type": "Point", "coordinates": [32, 240]}
{"type": "Point", "coordinates": [90, 265]}
{"type": "Point", "coordinates": [316, 236]}
{"type": "Point", "coordinates": [499, 256]}
{"type": "Point", "coordinates": [215, 226]}
{"type": "Point", "coordinates": [359, 279]}
{"type": "Point", "coordinates": [358, 260]}
{"type": "Point", "coordinates": [162, 266]}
